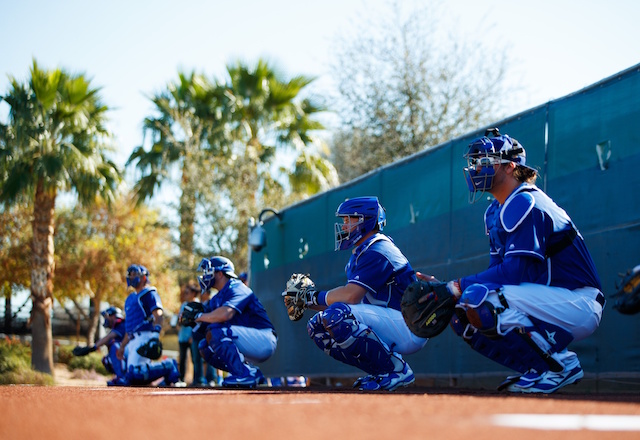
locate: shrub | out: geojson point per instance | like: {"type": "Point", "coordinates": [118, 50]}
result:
{"type": "Point", "coordinates": [92, 361]}
{"type": "Point", "coordinates": [63, 354]}
{"type": "Point", "coordinates": [15, 365]}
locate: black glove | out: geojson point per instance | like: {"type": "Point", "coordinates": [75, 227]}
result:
{"type": "Point", "coordinates": [427, 308]}
{"type": "Point", "coordinates": [152, 349]}
{"type": "Point", "coordinates": [628, 295]}
{"type": "Point", "coordinates": [190, 313]}
{"type": "Point", "coordinates": [83, 351]}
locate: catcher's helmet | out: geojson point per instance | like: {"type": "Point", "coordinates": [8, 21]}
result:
{"type": "Point", "coordinates": [209, 267]}
{"type": "Point", "coordinates": [485, 152]}
{"type": "Point", "coordinates": [370, 214]}
{"type": "Point", "coordinates": [112, 311]}
{"type": "Point", "coordinates": [135, 272]}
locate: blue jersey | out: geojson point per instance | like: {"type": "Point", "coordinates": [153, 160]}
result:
{"type": "Point", "coordinates": [533, 240]}
{"type": "Point", "coordinates": [119, 331]}
{"type": "Point", "coordinates": [238, 296]}
{"type": "Point", "coordinates": [380, 267]}
{"type": "Point", "coordinates": [138, 309]}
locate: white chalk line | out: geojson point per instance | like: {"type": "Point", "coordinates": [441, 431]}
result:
{"type": "Point", "coordinates": [569, 422]}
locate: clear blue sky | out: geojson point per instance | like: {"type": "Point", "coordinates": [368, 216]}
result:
{"type": "Point", "coordinates": [134, 47]}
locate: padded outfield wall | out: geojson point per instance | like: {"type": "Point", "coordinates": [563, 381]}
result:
{"type": "Point", "coordinates": [586, 147]}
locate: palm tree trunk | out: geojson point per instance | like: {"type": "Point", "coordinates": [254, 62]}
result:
{"type": "Point", "coordinates": [42, 270]}
{"type": "Point", "coordinates": [187, 211]}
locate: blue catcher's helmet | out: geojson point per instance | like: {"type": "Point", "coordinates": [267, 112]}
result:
{"type": "Point", "coordinates": [135, 272]}
{"type": "Point", "coordinates": [485, 152]}
{"type": "Point", "coordinates": [209, 267]}
{"type": "Point", "coordinates": [112, 311]}
{"type": "Point", "coordinates": [370, 215]}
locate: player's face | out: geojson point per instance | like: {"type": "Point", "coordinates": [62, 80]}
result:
{"type": "Point", "coordinates": [349, 223]}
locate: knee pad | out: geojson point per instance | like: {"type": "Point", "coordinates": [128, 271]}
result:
{"type": "Point", "coordinates": [333, 325]}
{"type": "Point", "coordinates": [480, 313]}
{"type": "Point", "coordinates": [339, 322]}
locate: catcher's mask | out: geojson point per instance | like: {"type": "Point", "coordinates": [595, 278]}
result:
{"type": "Point", "coordinates": [369, 215]}
{"type": "Point", "coordinates": [135, 275]}
{"type": "Point", "coordinates": [486, 152]}
{"type": "Point", "coordinates": [209, 266]}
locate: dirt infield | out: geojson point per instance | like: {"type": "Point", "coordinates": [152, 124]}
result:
{"type": "Point", "coordinates": [318, 412]}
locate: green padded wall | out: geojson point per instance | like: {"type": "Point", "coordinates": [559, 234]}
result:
{"type": "Point", "coordinates": [586, 147]}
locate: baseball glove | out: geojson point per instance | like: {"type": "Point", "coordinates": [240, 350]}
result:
{"type": "Point", "coordinates": [628, 294]}
{"type": "Point", "coordinates": [300, 292]}
{"type": "Point", "coordinates": [152, 349]}
{"type": "Point", "coordinates": [190, 312]}
{"type": "Point", "coordinates": [427, 308]}
{"type": "Point", "coordinates": [83, 351]}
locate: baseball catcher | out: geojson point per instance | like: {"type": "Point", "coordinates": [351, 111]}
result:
{"type": "Point", "coordinates": [236, 331]}
{"type": "Point", "coordinates": [541, 290]}
{"type": "Point", "coordinates": [359, 323]}
{"type": "Point", "coordinates": [141, 343]}
{"type": "Point", "coordinates": [114, 321]}
{"type": "Point", "coordinates": [628, 294]}
{"type": "Point", "coordinates": [300, 292]}
{"type": "Point", "coordinates": [427, 307]}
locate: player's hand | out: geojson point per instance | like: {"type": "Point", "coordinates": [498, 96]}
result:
{"type": "Point", "coordinates": [424, 277]}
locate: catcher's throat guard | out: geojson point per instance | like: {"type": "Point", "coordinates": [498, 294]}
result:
{"type": "Point", "coordinates": [427, 308]}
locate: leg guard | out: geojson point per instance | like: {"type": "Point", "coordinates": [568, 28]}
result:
{"type": "Point", "coordinates": [112, 363]}
{"type": "Point", "coordinates": [220, 352]}
{"type": "Point", "coordinates": [518, 349]}
{"type": "Point", "coordinates": [147, 373]}
{"type": "Point", "coordinates": [108, 365]}
{"type": "Point", "coordinates": [337, 332]}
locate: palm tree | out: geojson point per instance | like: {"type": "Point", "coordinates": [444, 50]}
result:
{"type": "Point", "coordinates": [55, 141]}
{"type": "Point", "coordinates": [185, 122]}
{"type": "Point", "coordinates": [266, 114]}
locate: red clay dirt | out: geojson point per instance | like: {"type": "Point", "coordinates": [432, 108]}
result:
{"type": "Point", "coordinates": [94, 411]}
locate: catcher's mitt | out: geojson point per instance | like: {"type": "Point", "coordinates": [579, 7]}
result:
{"type": "Point", "coordinates": [427, 308]}
{"type": "Point", "coordinates": [628, 294]}
{"type": "Point", "coordinates": [83, 351]}
{"type": "Point", "coordinates": [152, 349]}
{"type": "Point", "coordinates": [300, 292]}
{"type": "Point", "coordinates": [190, 312]}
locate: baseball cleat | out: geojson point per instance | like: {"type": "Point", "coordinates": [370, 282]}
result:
{"type": "Point", "coordinates": [359, 381]}
{"type": "Point", "coordinates": [250, 381]}
{"type": "Point", "coordinates": [547, 382]}
{"type": "Point", "coordinates": [520, 382]}
{"type": "Point", "coordinates": [388, 381]}
{"type": "Point", "coordinates": [117, 382]}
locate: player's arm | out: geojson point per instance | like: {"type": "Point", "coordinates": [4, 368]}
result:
{"type": "Point", "coordinates": [105, 339]}
{"type": "Point", "coordinates": [123, 344]}
{"type": "Point", "coordinates": [158, 318]}
{"type": "Point", "coordinates": [349, 294]}
{"type": "Point", "coordinates": [220, 314]}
